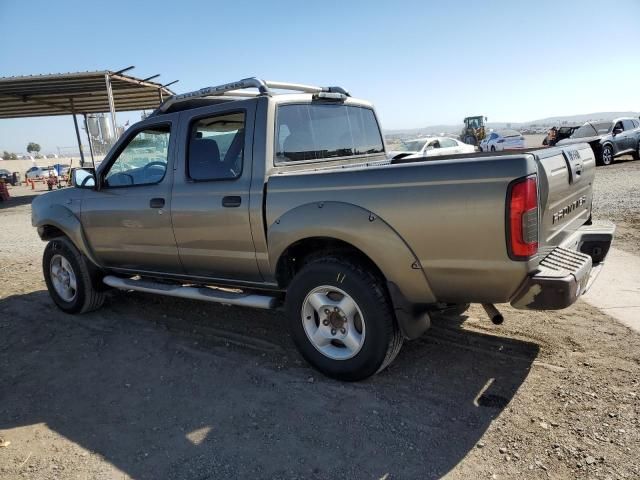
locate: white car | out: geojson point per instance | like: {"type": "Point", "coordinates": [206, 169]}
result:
{"type": "Point", "coordinates": [502, 140]}
{"type": "Point", "coordinates": [431, 147]}
{"type": "Point", "coordinates": [36, 172]}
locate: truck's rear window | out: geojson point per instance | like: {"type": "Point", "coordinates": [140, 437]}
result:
{"type": "Point", "coordinates": [320, 131]}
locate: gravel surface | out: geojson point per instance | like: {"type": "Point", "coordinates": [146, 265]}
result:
{"type": "Point", "coordinates": [152, 387]}
{"type": "Point", "coordinates": [617, 198]}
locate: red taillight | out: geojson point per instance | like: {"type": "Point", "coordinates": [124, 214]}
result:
{"type": "Point", "coordinates": [522, 213]}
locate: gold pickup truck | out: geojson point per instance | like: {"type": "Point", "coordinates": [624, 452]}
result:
{"type": "Point", "coordinates": [277, 195]}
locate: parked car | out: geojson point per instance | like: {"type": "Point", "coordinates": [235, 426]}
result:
{"type": "Point", "coordinates": [610, 139]}
{"type": "Point", "coordinates": [561, 134]}
{"type": "Point", "coordinates": [7, 176]}
{"type": "Point", "coordinates": [290, 200]}
{"type": "Point", "coordinates": [432, 147]}
{"type": "Point", "coordinates": [502, 140]}
{"type": "Point", "coordinates": [36, 172]}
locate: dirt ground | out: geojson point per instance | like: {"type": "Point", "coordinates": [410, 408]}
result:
{"type": "Point", "coordinates": [151, 387]}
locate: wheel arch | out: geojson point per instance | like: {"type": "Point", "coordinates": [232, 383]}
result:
{"type": "Point", "coordinates": [333, 228]}
{"type": "Point", "coordinates": [60, 221]}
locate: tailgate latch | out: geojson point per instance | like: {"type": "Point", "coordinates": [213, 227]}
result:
{"type": "Point", "coordinates": [574, 163]}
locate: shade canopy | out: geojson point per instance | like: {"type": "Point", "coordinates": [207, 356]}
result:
{"type": "Point", "coordinates": [83, 92]}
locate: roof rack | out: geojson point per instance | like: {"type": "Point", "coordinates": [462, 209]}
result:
{"type": "Point", "coordinates": [263, 86]}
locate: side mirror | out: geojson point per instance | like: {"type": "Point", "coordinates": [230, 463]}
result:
{"type": "Point", "coordinates": [82, 178]}
{"type": "Point", "coordinates": [616, 131]}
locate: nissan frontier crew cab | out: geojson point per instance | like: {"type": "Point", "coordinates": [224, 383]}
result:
{"type": "Point", "coordinates": [267, 195]}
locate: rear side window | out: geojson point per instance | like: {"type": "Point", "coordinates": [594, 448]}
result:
{"type": "Point", "coordinates": [320, 132]}
{"type": "Point", "coordinates": [628, 124]}
{"type": "Point", "coordinates": [216, 147]}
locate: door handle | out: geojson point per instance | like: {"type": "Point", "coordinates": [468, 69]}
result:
{"type": "Point", "coordinates": [231, 201]}
{"type": "Point", "coordinates": [156, 203]}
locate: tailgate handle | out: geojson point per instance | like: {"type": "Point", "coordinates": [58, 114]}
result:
{"type": "Point", "coordinates": [574, 164]}
{"type": "Point", "coordinates": [578, 167]}
{"type": "Point", "coordinates": [231, 201]}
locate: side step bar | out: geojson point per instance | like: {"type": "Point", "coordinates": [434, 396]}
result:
{"type": "Point", "coordinates": [194, 293]}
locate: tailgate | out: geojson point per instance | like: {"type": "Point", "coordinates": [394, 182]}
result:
{"type": "Point", "coordinates": [565, 189]}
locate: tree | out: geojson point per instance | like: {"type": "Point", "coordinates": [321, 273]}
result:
{"type": "Point", "coordinates": [9, 156]}
{"type": "Point", "coordinates": [33, 147]}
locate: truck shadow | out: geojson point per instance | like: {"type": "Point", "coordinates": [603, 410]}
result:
{"type": "Point", "coordinates": [16, 201]}
{"type": "Point", "coordinates": [165, 388]}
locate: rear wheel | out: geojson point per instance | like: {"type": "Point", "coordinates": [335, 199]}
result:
{"type": "Point", "coordinates": [636, 154]}
{"type": "Point", "coordinates": [341, 319]}
{"type": "Point", "coordinates": [71, 280]}
{"type": "Point", "coordinates": [606, 156]}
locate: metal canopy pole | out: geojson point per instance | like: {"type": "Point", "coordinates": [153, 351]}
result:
{"type": "Point", "coordinates": [112, 106]}
{"type": "Point", "coordinates": [86, 127]}
{"type": "Point", "coordinates": [75, 124]}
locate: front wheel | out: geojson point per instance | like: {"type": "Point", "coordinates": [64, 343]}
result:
{"type": "Point", "coordinates": [341, 319]}
{"type": "Point", "coordinates": [606, 157]}
{"type": "Point", "coordinates": [493, 148]}
{"type": "Point", "coordinates": [636, 154]}
{"type": "Point", "coordinates": [70, 279]}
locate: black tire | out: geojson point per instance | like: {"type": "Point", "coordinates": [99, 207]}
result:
{"type": "Point", "coordinates": [493, 148]}
{"type": "Point", "coordinates": [383, 338]}
{"type": "Point", "coordinates": [606, 155]}
{"type": "Point", "coordinates": [636, 154]}
{"type": "Point", "coordinates": [89, 294]}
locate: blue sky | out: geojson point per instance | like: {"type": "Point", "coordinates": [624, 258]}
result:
{"type": "Point", "coordinates": [420, 62]}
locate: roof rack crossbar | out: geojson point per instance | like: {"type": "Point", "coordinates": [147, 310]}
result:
{"type": "Point", "coordinates": [233, 89]}
{"type": "Point", "coordinates": [293, 86]}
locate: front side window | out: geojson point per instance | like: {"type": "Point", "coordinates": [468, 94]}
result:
{"type": "Point", "coordinates": [143, 161]}
{"type": "Point", "coordinates": [216, 147]}
{"type": "Point", "coordinates": [324, 131]}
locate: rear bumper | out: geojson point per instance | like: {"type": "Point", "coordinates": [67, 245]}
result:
{"type": "Point", "coordinates": [568, 271]}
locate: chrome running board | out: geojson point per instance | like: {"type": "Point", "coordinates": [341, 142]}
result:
{"type": "Point", "coordinates": [207, 294]}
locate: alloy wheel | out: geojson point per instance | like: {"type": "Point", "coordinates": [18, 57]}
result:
{"type": "Point", "coordinates": [333, 322]}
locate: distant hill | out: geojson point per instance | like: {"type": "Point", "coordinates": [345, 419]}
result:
{"type": "Point", "coordinates": [541, 122]}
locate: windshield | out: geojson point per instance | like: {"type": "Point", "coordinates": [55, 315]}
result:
{"type": "Point", "coordinates": [413, 145]}
{"type": "Point", "coordinates": [509, 133]}
{"type": "Point", "coordinates": [475, 122]}
{"type": "Point", "coordinates": [592, 129]}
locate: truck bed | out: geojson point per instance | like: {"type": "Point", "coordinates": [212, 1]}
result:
{"type": "Point", "coordinates": [450, 210]}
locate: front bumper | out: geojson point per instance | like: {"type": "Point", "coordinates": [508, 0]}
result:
{"type": "Point", "coordinates": [568, 271]}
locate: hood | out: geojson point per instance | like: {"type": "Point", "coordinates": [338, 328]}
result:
{"type": "Point", "coordinates": [60, 197]}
